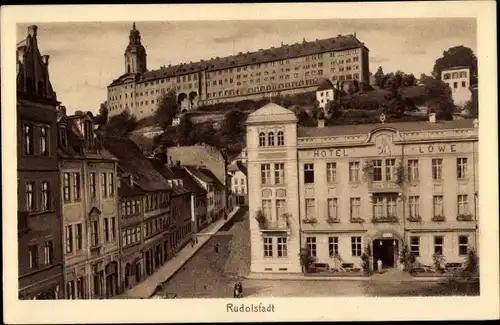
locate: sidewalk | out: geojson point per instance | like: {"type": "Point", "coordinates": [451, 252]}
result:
{"type": "Point", "coordinates": [146, 288]}
{"type": "Point", "coordinates": [301, 277]}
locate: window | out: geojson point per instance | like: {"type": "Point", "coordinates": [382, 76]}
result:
{"type": "Point", "coordinates": [355, 207]}
{"type": "Point", "coordinates": [438, 245]}
{"type": "Point", "coordinates": [455, 85]}
{"type": "Point", "coordinates": [69, 238]}
{"type": "Point", "coordinates": [44, 141]}
{"type": "Point", "coordinates": [33, 256]}
{"type": "Point", "coordinates": [46, 199]}
{"type": "Point", "coordinates": [279, 173]}
{"type": "Point", "coordinates": [79, 287]}
{"type": "Point", "coordinates": [262, 139]}
{"type": "Point", "coordinates": [332, 208]}
{"type": "Point", "coordinates": [463, 245]}
{"type": "Point", "coordinates": [377, 170]}
{"type": "Point", "coordinates": [390, 169]}
{"type": "Point", "coordinates": [104, 186]}
{"type": "Point", "coordinates": [333, 246]}
{"type": "Point", "coordinates": [308, 173]}
{"type": "Point", "coordinates": [79, 237]}
{"type": "Point", "coordinates": [311, 245]}
{"type": "Point", "coordinates": [310, 208]}
{"type": "Point", "coordinates": [268, 247]}
{"type": "Point", "coordinates": [354, 171]}
{"type": "Point", "coordinates": [111, 185]}
{"type": "Point", "coordinates": [412, 169]}
{"type": "Point", "coordinates": [30, 196]}
{"type": "Point", "coordinates": [461, 168]}
{"type": "Point", "coordinates": [76, 186]}
{"type": "Point", "coordinates": [28, 139]}
{"type": "Point", "coordinates": [378, 206]}
{"type": "Point", "coordinates": [413, 202]}
{"type": "Point", "coordinates": [437, 168]}
{"type": "Point", "coordinates": [281, 138]}
{"type": "Point", "coordinates": [463, 205]}
{"type": "Point", "coordinates": [48, 252]}
{"type": "Point", "coordinates": [282, 247]}
{"type": "Point", "coordinates": [356, 246]}
{"type": "Point", "coordinates": [267, 208]}
{"type": "Point", "coordinates": [415, 245]}
{"type": "Point", "coordinates": [95, 233]}
{"type": "Point", "coordinates": [106, 229]}
{"type": "Point", "coordinates": [265, 174]}
{"type": "Point", "coordinates": [66, 188]}
{"type": "Point", "coordinates": [391, 206]}
{"type": "Point", "coordinates": [331, 172]}
{"type": "Point", "coordinates": [113, 228]}
{"type": "Point", "coordinates": [437, 203]}
{"type": "Point", "coordinates": [70, 290]}
{"type": "Point", "coordinates": [92, 184]}
{"type": "Point", "coordinates": [280, 207]}
{"type": "Point", "coordinates": [270, 139]}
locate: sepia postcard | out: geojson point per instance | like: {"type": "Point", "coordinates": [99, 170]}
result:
{"type": "Point", "coordinates": [250, 162]}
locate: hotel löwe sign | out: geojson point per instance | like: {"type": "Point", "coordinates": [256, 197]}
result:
{"type": "Point", "coordinates": [422, 149]}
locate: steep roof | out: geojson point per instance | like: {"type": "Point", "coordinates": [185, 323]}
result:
{"type": "Point", "coordinates": [238, 166]}
{"type": "Point", "coordinates": [211, 175]}
{"type": "Point", "coordinates": [189, 182]}
{"type": "Point", "coordinates": [309, 132]}
{"type": "Point", "coordinates": [271, 113]}
{"type": "Point", "coordinates": [169, 175]}
{"type": "Point", "coordinates": [131, 160]}
{"type": "Point", "coordinates": [339, 43]}
{"type": "Point", "coordinates": [325, 85]}
{"type": "Point", "coordinates": [198, 174]}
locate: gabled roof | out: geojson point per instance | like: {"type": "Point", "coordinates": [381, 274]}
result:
{"type": "Point", "coordinates": [238, 166]}
{"type": "Point", "coordinates": [131, 160]}
{"type": "Point", "coordinates": [200, 175]}
{"type": "Point", "coordinates": [189, 182]}
{"type": "Point", "coordinates": [325, 85]}
{"type": "Point", "coordinates": [211, 175]}
{"type": "Point", "coordinates": [271, 113]}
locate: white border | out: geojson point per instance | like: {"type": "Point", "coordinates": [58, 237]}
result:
{"type": "Point", "coordinates": [286, 309]}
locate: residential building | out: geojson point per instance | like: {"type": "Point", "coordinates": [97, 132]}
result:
{"type": "Point", "coordinates": [198, 197]}
{"type": "Point", "coordinates": [238, 171]}
{"type": "Point", "coordinates": [325, 93]}
{"type": "Point", "coordinates": [40, 251]}
{"type": "Point", "coordinates": [340, 190]}
{"type": "Point", "coordinates": [181, 199]}
{"type": "Point", "coordinates": [287, 69]}
{"type": "Point", "coordinates": [459, 80]}
{"type": "Point", "coordinates": [146, 224]}
{"type": "Point", "coordinates": [89, 204]}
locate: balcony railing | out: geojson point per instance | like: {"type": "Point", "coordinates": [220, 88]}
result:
{"type": "Point", "coordinates": [385, 219]}
{"type": "Point", "coordinates": [383, 186]}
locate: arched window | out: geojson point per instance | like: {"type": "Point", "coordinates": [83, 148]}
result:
{"type": "Point", "coordinates": [262, 139]}
{"type": "Point", "coordinates": [281, 138]}
{"type": "Point", "coordinates": [270, 139]}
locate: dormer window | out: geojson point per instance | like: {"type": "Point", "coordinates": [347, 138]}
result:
{"type": "Point", "coordinates": [270, 139]}
{"type": "Point", "coordinates": [262, 139]}
{"type": "Point", "coordinates": [281, 138]}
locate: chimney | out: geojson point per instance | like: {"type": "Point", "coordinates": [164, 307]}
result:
{"type": "Point", "coordinates": [475, 123]}
{"type": "Point", "coordinates": [432, 117]}
{"type": "Point", "coordinates": [32, 30]}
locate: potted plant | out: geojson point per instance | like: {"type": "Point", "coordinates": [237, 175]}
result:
{"type": "Point", "coordinates": [331, 220]}
{"type": "Point", "coordinates": [415, 218]}
{"type": "Point", "coordinates": [385, 219]}
{"type": "Point", "coordinates": [438, 218]}
{"type": "Point", "coordinates": [400, 174]}
{"type": "Point", "coordinates": [464, 217]}
{"type": "Point", "coordinates": [357, 220]}
{"type": "Point", "coordinates": [310, 220]}
{"type": "Point", "coordinates": [261, 219]}
{"type": "Point", "coordinates": [368, 170]}
{"type": "Point", "coordinates": [438, 260]}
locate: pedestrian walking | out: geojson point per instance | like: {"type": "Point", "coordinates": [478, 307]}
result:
{"type": "Point", "coordinates": [192, 242]}
{"type": "Point", "coordinates": [379, 266]}
{"type": "Point", "coordinates": [217, 248]}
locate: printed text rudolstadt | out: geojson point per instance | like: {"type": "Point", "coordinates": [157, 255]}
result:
{"type": "Point", "coordinates": [250, 308]}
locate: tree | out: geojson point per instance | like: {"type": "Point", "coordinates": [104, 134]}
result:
{"type": "Point", "coordinates": [186, 132]}
{"type": "Point", "coordinates": [120, 125]}
{"type": "Point", "coordinates": [233, 127]}
{"type": "Point", "coordinates": [456, 56]}
{"type": "Point", "coordinates": [379, 77]}
{"type": "Point", "coordinates": [438, 98]}
{"type": "Point", "coordinates": [102, 117]}
{"type": "Point", "coordinates": [409, 80]}
{"type": "Point", "coordinates": [166, 109]}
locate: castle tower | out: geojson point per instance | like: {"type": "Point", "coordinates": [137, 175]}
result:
{"type": "Point", "coordinates": [135, 54]}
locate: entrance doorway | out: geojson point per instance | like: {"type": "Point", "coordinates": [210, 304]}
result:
{"type": "Point", "coordinates": [387, 251]}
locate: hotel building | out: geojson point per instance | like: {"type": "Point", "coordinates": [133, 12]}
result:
{"type": "Point", "coordinates": [288, 69]}
{"type": "Point", "coordinates": [343, 190]}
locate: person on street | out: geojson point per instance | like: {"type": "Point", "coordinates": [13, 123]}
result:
{"type": "Point", "coordinates": [217, 248]}
{"type": "Point", "coordinates": [379, 266]}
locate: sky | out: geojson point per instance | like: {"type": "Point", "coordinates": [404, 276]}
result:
{"type": "Point", "coordinates": [86, 57]}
